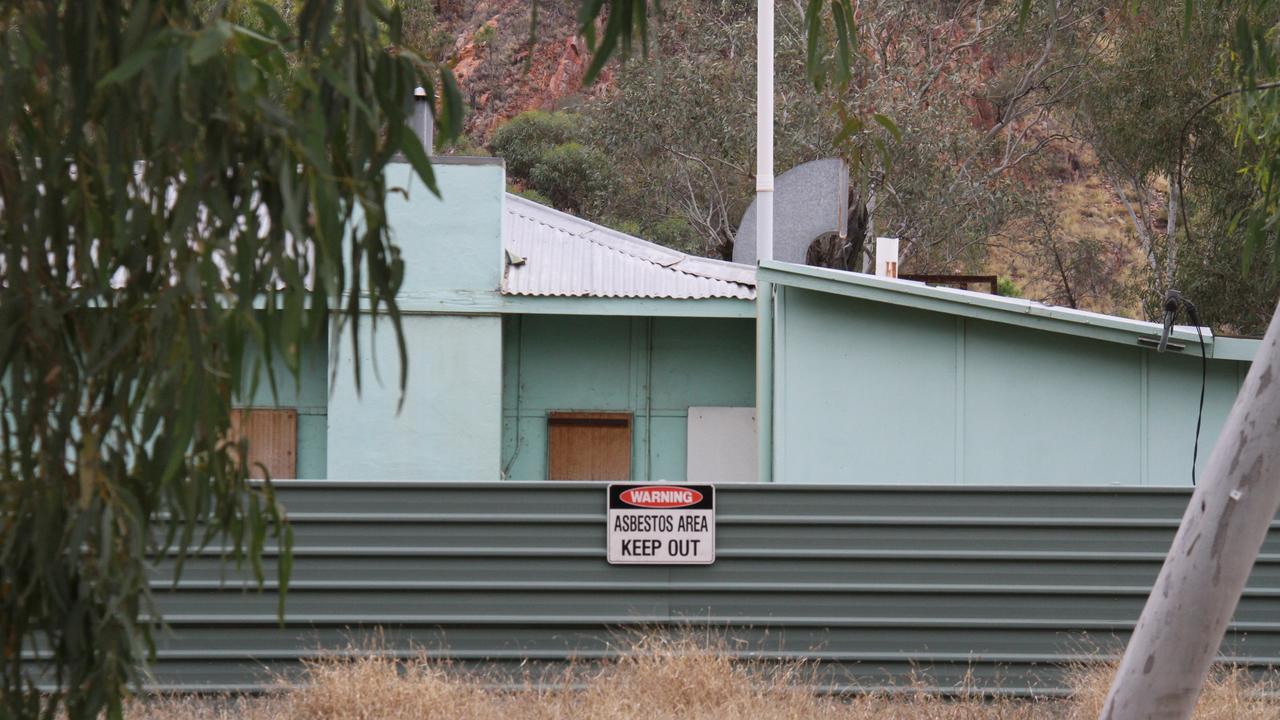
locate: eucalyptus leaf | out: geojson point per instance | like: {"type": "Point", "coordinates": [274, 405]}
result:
{"type": "Point", "coordinates": [206, 160]}
{"type": "Point", "coordinates": [209, 41]}
{"type": "Point", "coordinates": [888, 124]}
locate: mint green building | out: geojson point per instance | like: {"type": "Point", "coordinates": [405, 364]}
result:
{"type": "Point", "coordinates": [542, 346]}
{"type": "Point", "coordinates": [876, 380]}
{"type": "Point", "coordinates": [914, 485]}
{"type": "Point", "coordinates": [513, 312]}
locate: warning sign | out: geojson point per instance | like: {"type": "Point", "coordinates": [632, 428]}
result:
{"type": "Point", "coordinates": [662, 524]}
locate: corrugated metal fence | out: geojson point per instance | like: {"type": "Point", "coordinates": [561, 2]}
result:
{"type": "Point", "coordinates": [1003, 584]}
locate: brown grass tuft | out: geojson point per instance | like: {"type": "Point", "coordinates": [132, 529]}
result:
{"type": "Point", "coordinates": [660, 678]}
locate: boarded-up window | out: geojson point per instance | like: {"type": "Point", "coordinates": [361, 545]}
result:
{"type": "Point", "coordinates": [588, 446]}
{"type": "Point", "coordinates": [273, 440]}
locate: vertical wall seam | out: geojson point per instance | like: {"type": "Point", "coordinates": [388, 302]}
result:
{"type": "Point", "coordinates": [636, 395]}
{"type": "Point", "coordinates": [1144, 417]}
{"type": "Point", "coordinates": [764, 379]}
{"type": "Point", "coordinates": [959, 470]}
{"type": "Point", "coordinates": [648, 399]}
{"type": "Point", "coordinates": [778, 400]}
{"type": "Point", "coordinates": [519, 392]}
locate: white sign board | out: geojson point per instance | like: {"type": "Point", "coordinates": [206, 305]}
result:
{"type": "Point", "coordinates": [662, 524]}
{"type": "Point", "coordinates": [722, 445]}
{"type": "Point", "coordinates": [887, 257]}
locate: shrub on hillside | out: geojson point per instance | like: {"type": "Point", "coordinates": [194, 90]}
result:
{"type": "Point", "coordinates": [626, 226]}
{"type": "Point", "coordinates": [573, 176]}
{"type": "Point", "coordinates": [676, 233]}
{"type": "Point", "coordinates": [534, 195]}
{"type": "Point", "coordinates": [525, 139]}
{"type": "Point", "coordinates": [1007, 287]}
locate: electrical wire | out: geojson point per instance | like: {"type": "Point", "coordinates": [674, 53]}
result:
{"type": "Point", "coordinates": [1204, 380]}
{"type": "Point", "coordinates": [1173, 302]}
{"type": "Point", "coordinates": [1186, 228]}
{"type": "Point", "coordinates": [506, 469]}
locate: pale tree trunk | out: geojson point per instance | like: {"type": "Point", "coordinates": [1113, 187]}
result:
{"type": "Point", "coordinates": [1139, 225]}
{"type": "Point", "coordinates": [1171, 232]}
{"type": "Point", "coordinates": [869, 238]}
{"type": "Point", "coordinates": [1182, 625]}
{"type": "Point", "coordinates": [1136, 209]}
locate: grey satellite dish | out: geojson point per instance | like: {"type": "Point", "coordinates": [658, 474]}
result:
{"type": "Point", "coordinates": [808, 200]}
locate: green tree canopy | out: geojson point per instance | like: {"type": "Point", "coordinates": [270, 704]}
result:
{"type": "Point", "coordinates": [184, 188]}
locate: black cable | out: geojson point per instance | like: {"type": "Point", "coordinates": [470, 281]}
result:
{"type": "Point", "coordinates": [1186, 228]}
{"type": "Point", "coordinates": [1173, 302]}
{"type": "Point", "coordinates": [1204, 380]}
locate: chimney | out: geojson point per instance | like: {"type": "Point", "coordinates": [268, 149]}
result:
{"type": "Point", "coordinates": [421, 120]}
{"type": "Point", "coordinates": [887, 257]}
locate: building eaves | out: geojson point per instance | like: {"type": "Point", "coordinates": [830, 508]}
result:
{"type": "Point", "coordinates": [994, 308]}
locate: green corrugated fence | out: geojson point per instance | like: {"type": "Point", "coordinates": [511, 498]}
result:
{"type": "Point", "coordinates": [1004, 585]}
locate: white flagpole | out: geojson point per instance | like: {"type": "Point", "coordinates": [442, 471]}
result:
{"type": "Point", "coordinates": [764, 130]}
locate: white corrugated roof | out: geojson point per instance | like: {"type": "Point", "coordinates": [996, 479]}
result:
{"type": "Point", "coordinates": [554, 253]}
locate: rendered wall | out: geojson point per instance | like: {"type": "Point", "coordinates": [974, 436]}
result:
{"type": "Point", "coordinates": [449, 427]}
{"type": "Point", "coordinates": [654, 368]}
{"type": "Point", "coordinates": [451, 245]}
{"type": "Point", "coordinates": [450, 424]}
{"type": "Point", "coordinates": [874, 393]}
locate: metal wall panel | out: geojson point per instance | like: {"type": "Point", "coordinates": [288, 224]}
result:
{"type": "Point", "coordinates": [876, 392]}
{"type": "Point", "coordinates": [1002, 584]}
{"type": "Point", "coordinates": [654, 368]}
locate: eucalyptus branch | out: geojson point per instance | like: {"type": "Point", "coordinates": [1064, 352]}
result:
{"type": "Point", "coordinates": [1186, 129]}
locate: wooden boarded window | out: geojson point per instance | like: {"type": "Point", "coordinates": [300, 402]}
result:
{"type": "Point", "coordinates": [588, 446]}
{"type": "Point", "coordinates": [273, 440]}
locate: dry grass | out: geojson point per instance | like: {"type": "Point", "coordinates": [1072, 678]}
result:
{"type": "Point", "coordinates": [1088, 219]}
{"type": "Point", "coordinates": [662, 679]}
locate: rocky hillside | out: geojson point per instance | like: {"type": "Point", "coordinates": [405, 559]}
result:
{"type": "Point", "coordinates": [503, 69]}
{"type": "Point", "coordinates": [1064, 229]}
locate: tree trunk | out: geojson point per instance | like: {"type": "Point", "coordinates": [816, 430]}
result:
{"type": "Point", "coordinates": [1171, 232]}
{"type": "Point", "coordinates": [1135, 208]}
{"type": "Point", "coordinates": [869, 240]}
{"type": "Point", "coordinates": [1062, 273]}
{"type": "Point", "coordinates": [1181, 627]}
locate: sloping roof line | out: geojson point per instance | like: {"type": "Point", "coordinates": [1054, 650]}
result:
{"type": "Point", "coordinates": [995, 308]}
{"type": "Point", "coordinates": [562, 255]}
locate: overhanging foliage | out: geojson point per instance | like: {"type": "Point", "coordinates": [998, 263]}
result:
{"type": "Point", "coordinates": [184, 186]}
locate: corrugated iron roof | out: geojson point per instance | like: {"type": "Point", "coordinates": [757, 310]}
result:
{"type": "Point", "coordinates": [554, 253]}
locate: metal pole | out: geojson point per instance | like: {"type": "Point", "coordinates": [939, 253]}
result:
{"type": "Point", "coordinates": [1222, 531]}
{"type": "Point", "coordinates": [764, 130]}
{"type": "Point", "coordinates": [764, 236]}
